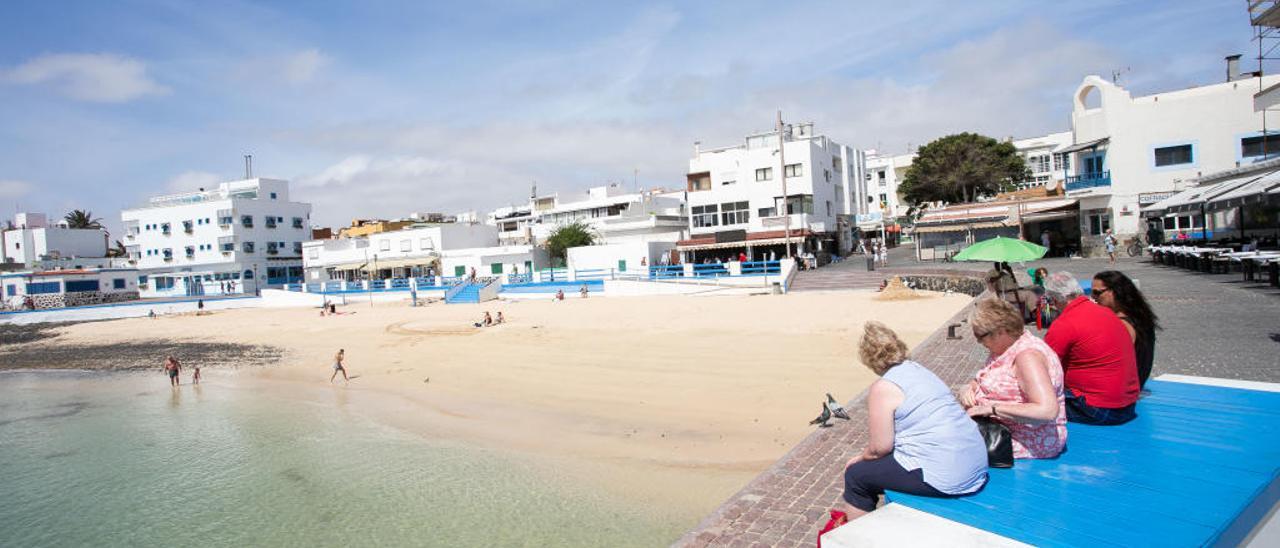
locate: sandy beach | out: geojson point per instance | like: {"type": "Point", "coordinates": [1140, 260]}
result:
{"type": "Point", "coordinates": [673, 400]}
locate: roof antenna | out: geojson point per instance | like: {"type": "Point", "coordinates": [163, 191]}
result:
{"type": "Point", "coordinates": [1115, 75]}
{"type": "Point", "coordinates": [248, 166]}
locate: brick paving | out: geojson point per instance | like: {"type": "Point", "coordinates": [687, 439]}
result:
{"type": "Point", "coordinates": [1215, 325]}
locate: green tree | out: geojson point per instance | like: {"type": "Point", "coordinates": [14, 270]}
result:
{"type": "Point", "coordinates": [82, 219]}
{"type": "Point", "coordinates": [960, 168]}
{"type": "Point", "coordinates": [575, 234]}
{"type": "Point", "coordinates": [118, 250]}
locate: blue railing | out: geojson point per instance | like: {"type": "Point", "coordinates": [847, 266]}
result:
{"type": "Point", "coordinates": [758, 268]}
{"type": "Point", "coordinates": [399, 283]}
{"type": "Point", "coordinates": [312, 287]}
{"type": "Point", "coordinates": [553, 274]}
{"type": "Point", "coordinates": [658, 272]}
{"type": "Point", "coordinates": [375, 285]}
{"type": "Point", "coordinates": [355, 286]}
{"type": "Point", "coordinates": [1088, 180]}
{"type": "Point", "coordinates": [426, 281]}
{"type": "Point", "coordinates": [715, 270]}
{"type": "Point", "coordinates": [519, 278]}
{"type": "Point", "coordinates": [453, 280]}
{"type": "Point", "coordinates": [333, 285]}
{"type": "Point", "coordinates": [593, 274]}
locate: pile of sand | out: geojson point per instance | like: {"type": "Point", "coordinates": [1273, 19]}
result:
{"type": "Point", "coordinates": [898, 291]}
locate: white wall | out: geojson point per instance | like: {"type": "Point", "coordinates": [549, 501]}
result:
{"type": "Point", "coordinates": [27, 246]}
{"type": "Point", "coordinates": [606, 257]}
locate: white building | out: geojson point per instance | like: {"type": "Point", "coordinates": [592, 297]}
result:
{"type": "Point", "coordinates": [1133, 151]}
{"type": "Point", "coordinates": [63, 288]}
{"type": "Point", "coordinates": [1047, 165]}
{"type": "Point", "coordinates": [884, 174]}
{"type": "Point", "coordinates": [238, 236]}
{"type": "Point", "coordinates": [451, 249]}
{"type": "Point", "coordinates": [615, 214]}
{"type": "Point", "coordinates": [736, 204]}
{"type": "Point", "coordinates": [32, 240]}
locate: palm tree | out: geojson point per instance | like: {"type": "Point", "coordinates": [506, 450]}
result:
{"type": "Point", "coordinates": [575, 234]}
{"type": "Point", "coordinates": [82, 219]}
{"type": "Point", "coordinates": [118, 251]}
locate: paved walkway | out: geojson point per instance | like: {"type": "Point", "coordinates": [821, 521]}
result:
{"type": "Point", "coordinates": [1215, 325]}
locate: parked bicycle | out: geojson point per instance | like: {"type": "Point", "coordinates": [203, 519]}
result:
{"type": "Point", "coordinates": [1136, 245]}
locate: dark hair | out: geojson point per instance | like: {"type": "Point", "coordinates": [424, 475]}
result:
{"type": "Point", "coordinates": [1129, 299]}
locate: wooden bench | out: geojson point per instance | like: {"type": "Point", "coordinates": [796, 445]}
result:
{"type": "Point", "coordinates": [1198, 467]}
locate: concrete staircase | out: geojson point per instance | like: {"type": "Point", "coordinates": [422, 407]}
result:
{"type": "Point", "coordinates": [850, 274]}
{"type": "Point", "coordinates": [467, 293]}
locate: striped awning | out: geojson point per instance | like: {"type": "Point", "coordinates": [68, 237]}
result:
{"type": "Point", "coordinates": [958, 227]}
{"type": "Point", "coordinates": [743, 243]}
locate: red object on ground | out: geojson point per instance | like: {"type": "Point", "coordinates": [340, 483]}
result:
{"type": "Point", "coordinates": [1097, 355]}
{"type": "Point", "coordinates": [838, 518]}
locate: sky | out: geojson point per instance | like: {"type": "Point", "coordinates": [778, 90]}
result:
{"type": "Point", "coordinates": [381, 109]}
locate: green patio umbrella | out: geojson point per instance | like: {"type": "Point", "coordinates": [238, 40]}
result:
{"type": "Point", "coordinates": [1001, 249]}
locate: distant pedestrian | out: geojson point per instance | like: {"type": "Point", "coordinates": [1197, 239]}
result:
{"type": "Point", "coordinates": [559, 294]}
{"type": "Point", "coordinates": [1110, 241]}
{"type": "Point", "coordinates": [339, 367]}
{"type": "Point", "coordinates": [195, 376]}
{"type": "Point", "coordinates": [172, 368]}
{"type": "Point", "coordinates": [151, 313]}
{"type": "Point", "coordinates": [742, 257]}
{"type": "Point", "coordinates": [200, 306]}
{"type": "Point", "coordinates": [583, 291]}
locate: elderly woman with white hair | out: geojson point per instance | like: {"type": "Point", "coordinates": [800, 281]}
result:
{"type": "Point", "coordinates": [1097, 355]}
{"type": "Point", "coordinates": [919, 439]}
{"type": "Point", "coordinates": [1021, 384]}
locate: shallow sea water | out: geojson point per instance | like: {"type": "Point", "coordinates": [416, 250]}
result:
{"type": "Point", "coordinates": [101, 459]}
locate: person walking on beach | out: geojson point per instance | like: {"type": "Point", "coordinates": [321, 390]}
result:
{"type": "Point", "coordinates": [172, 367]}
{"type": "Point", "coordinates": [338, 367]}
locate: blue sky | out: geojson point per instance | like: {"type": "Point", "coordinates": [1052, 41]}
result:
{"type": "Point", "coordinates": [385, 108]}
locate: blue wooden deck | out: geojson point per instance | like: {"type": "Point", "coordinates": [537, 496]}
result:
{"type": "Point", "coordinates": [1198, 467]}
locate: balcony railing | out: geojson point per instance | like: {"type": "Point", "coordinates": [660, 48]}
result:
{"type": "Point", "coordinates": [1088, 180]}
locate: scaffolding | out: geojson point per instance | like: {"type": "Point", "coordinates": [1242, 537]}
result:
{"type": "Point", "coordinates": [1264, 16]}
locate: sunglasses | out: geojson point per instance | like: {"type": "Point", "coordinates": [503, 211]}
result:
{"type": "Point", "coordinates": [1098, 292]}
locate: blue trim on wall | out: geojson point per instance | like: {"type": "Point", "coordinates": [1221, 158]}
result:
{"type": "Point", "coordinates": [130, 303]}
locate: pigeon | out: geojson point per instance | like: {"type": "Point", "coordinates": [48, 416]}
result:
{"type": "Point", "coordinates": [822, 419]}
{"type": "Point", "coordinates": [837, 410]}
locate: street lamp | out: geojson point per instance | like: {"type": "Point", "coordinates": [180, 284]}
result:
{"type": "Point", "coordinates": [257, 282]}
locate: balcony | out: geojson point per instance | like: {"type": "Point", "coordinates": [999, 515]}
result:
{"type": "Point", "coordinates": [1085, 181]}
{"type": "Point", "coordinates": [779, 222]}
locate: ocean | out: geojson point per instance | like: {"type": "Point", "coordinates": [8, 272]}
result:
{"type": "Point", "coordinates": [121, 459]}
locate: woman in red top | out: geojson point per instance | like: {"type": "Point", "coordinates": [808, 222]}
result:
{"type": "Point", "coordinates": [1098, 359]}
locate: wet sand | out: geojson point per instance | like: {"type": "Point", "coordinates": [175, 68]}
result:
{"type": "Point", "coordinates": [671, 400]}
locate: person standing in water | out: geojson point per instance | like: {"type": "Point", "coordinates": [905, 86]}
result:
{"type": "Point", "coordinates": [172, 367]}
{"type": "Point", "coordinates": [338, 367]}
{"type": "Point", "coordinates": [195, 376]}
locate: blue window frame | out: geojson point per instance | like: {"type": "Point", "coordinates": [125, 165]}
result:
{"type": "Point", "coordinates": [43, 288]}
{"type": "Point", "coordinates": [80, 286]}
{"type": "Point", "coordinates": [117, 283]}
{"type": "Point", "coordinates": [11, 290]}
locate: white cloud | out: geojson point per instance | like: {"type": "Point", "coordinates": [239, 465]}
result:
{"type": "Point", "coordinates": [295, 68]}
{"type": "Point", "coordinates": [383, 186]}
{"type": "Point", "coordinates": [11, 189]}
{"type": "Point", "coordinates": [95, 77]}
{"type": "Point", "coordinates": [193, 180]}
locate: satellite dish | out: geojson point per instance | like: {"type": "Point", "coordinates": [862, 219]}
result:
{"type": "Point", "coordinates": [1051, 185]}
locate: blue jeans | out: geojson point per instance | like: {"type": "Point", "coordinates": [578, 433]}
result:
{"type": "Point", "coordinates": [1083, 413]}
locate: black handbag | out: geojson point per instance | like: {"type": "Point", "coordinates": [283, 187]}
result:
{"type": "Point", "coordinates": [999, 442]}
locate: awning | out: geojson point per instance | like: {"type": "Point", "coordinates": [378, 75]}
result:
{"type": "Point", "coordinates": [346, 266]}
{"type": "Point", "coordinates": [399, 263]}
{"type": "Point", "coordinates": [745, 243]}
{"type": "Point", "coordinates": [1050, 216]}
{"type": "Point", "coordinates": [959, 227]}
{"type": "Point", "coordinates": [1085, 145]}
{"type": "Point", "coordinates": [1255, 190]}
{"type": "Point", "coordinates": [1194, 197]}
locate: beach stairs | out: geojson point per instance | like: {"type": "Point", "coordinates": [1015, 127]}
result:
{"type": "Point", "coordinates": [472, 292]}
{"type": "Point", "coordinates": [1200, 466]}
{"type": "Point", "coordinates": [848, 274]}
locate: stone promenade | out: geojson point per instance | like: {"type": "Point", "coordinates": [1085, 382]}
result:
{"type": "Point", "coordinates": [1215, 325]}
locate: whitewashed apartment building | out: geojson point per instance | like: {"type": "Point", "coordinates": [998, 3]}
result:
{"type": "Point", "coordinates": [614, 213]}
{"type": "Point", "coordinates": [243, 234]}
{"type": "Point", "coordinates": [32, 240]}
{"type": "Point", "coordinates": [736, 204]}
{"type": "Point", "coordinates": [448, 249]}
{"type": "Point", "coordinates": [1129, 152]}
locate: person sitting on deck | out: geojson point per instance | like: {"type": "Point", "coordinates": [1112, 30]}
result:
{"type": "Point", "coordinates": [920, 440]}
{"type": "Point", "coordinates": [1097, 355]}
{"type": "Point", "coordinates": [1116, 291]}
{"type": "Point", "coordinates": [1021, 385]}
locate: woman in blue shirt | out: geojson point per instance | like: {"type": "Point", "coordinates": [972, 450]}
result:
{"type": "Point", "coordinates": [921, 441]}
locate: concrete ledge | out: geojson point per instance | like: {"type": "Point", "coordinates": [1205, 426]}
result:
{"type": "Point", "coordinates": [895, 525]}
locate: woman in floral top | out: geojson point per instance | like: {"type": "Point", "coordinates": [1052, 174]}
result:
{"type": "Point", "coordinates": [1021, 385]}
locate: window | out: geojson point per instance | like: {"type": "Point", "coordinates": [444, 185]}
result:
{"type": "Point", "coordinates": [270, 222]}
{"type": "Point", "coordinates": [797, 204]}
{"type": "Point", "coordinates": [1039, 163]}
{"type": "Point", "coordinates": [1099, 222]}
{"type": "Point", "coordinates": [880, 177]}
{"type": "Point", "coordinates": [188, 227]}
{"type": "Point", "coordinates": [297, 222]}
{"type": "Point", "coordinates": [11, 290]}
{"type": "Point", "coordinates": [117, 283]}
{"type": "Point", "coordinates": [704, 216]}
{"type": "Point", "coordinates": [313, 253]}
{"type": "Point", "coordinates": [273, 195]}
{"type": "Point", "coordinates": [297, 248]}
{"type": "Point", "coordinates": [165, 228]}
{"type": "Point", "coordinates": [701, 181]}
{"type": "Point", "coordinates": [766, 212]}
{"type": "Point", "coordinates": [734, 213]}
{"type": "Point", "coordinates": [835, 163]}
{"type": "Point", "coordinates": [1253, 147]}
{"type": "Point", "coordinates": [246, 221]}
{"type": "Point", "coordinates": [228, 247]}
{"type": "Point", "coordinates": [764, 174]}
{"type": "Point", "coordinates": [246, 247]}
{"type": "Point", "coordinates": [272, 248]}
{"type": "Point", "coordinates": [191, 251]}
{"type": "Point", "coordinates": [495, 268]}
{"type": "Point", "coordinates": [41, 288]}
{"type": "Point", "coordinates": [727, 182]}
{"type": "Point", "coordinates": [82, 286]}
{"type": "Point", "coordinates": [826, 174]}
{"type": "Point", "coordinates": [793, 170]}
{"type": "Point", "coordinates": [168, 253]}
{"type": "Point", "coordinates": [459, 271]}
{"type": "Point", "coordinates": [1061, 162]}
{"type": "Point", "coordinates": [384, 245]}
{"type": "Point", "coordinates": [1174, 155]}
{"type": "Point", "coordinates": [425, 244]}
{"type": "Point", "coordinates": [884, 200]}
{"type": "Point", "coordinates": [406, 245]}
{"type": "Point", "coordinates": [225, 220]}
{"type": "Point", "coordinates": [1197, 221]}
{"type": "Point", "coordinates": [1170, 223]}
{"type": "Point", "coordinates": [828, 208]}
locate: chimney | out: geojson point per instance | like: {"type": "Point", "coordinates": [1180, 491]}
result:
{"type": "Point", "coordinates": [697, 148]}
{"type": "Point", "coordinates": [1233, 67]}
